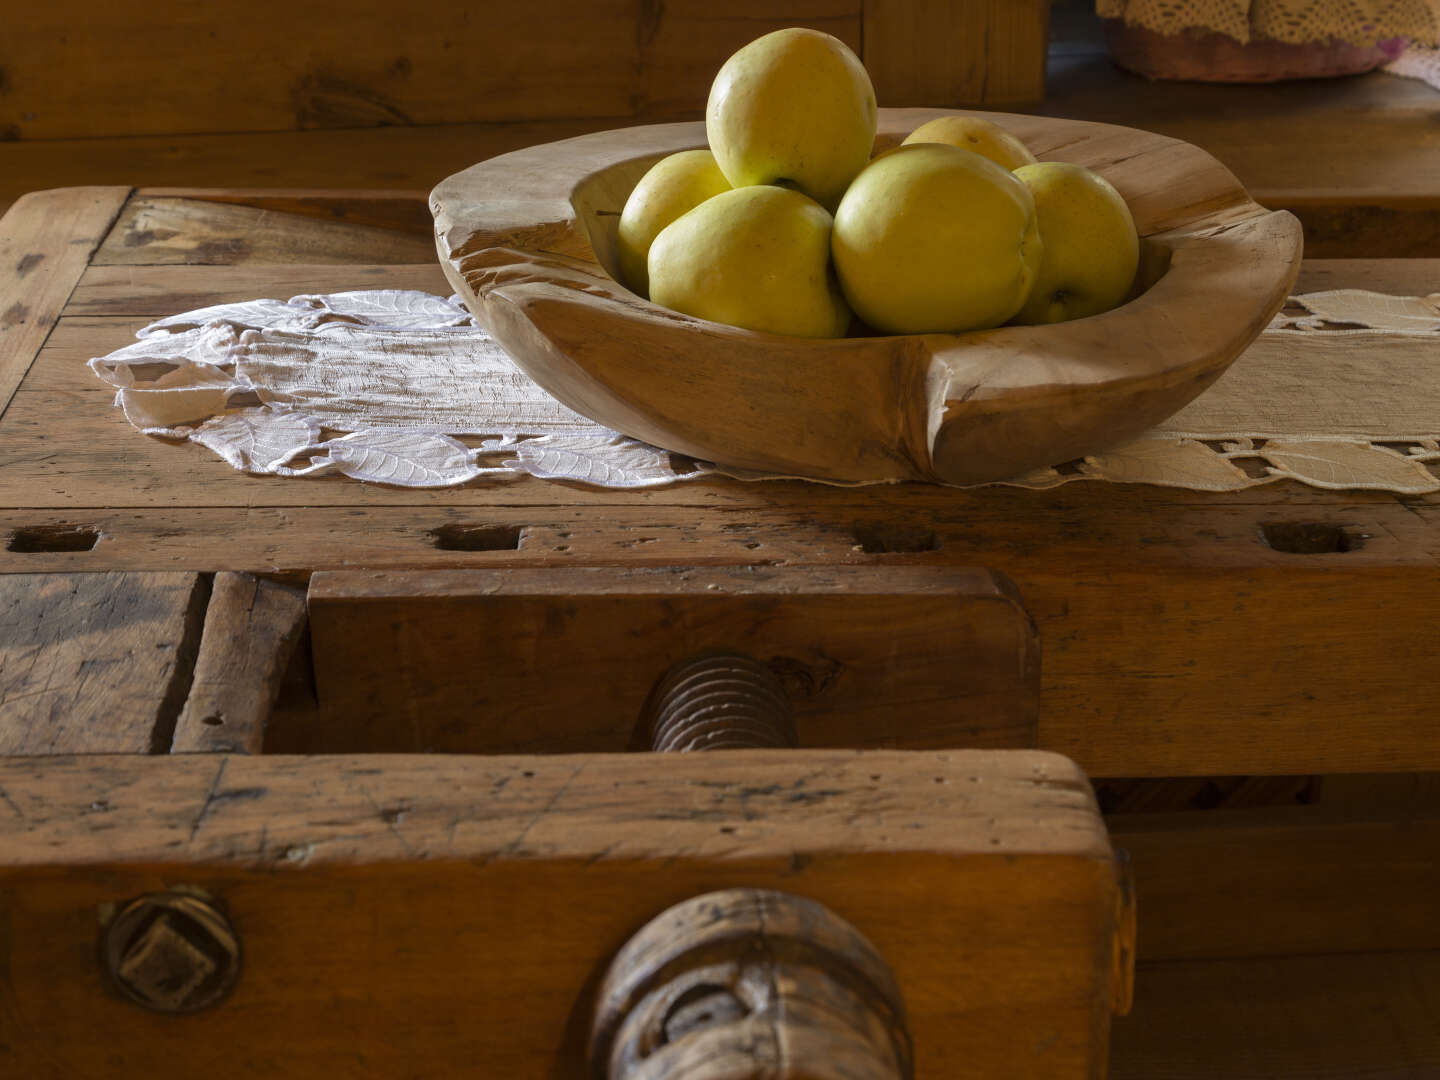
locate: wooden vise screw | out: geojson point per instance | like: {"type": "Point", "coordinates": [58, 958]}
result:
{"type": "Point", "coordinates": [745, 982]}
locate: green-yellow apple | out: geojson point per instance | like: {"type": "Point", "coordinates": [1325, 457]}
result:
{"type": "Point", "coordinates": [795, 108]}
{"type": "Point", "coordinates": [1091, 249]}
{"type": "Point", "coordinates": [673, 185]}
{"type": "Point", "coordinates": [984, 137]}
{"type": "Point", "coordinates": [935, 239]}
{"type": "Point", "coordinates": [755, 257]}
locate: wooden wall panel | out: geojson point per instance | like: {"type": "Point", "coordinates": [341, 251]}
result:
{"type": "Point", "coordinates": [80, 68]}
{"type": "Point", "coordinates": [944, 53]}
{"type": "Point", "coordinates": [85, 68]}
{"type": "Point", "coordinates": [685, 42]}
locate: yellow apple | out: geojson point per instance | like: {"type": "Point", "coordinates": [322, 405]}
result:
{"type": "Point", "coordinates": [672, 186]}
{"type": "Point", "coordinates": [935, 239]}
{"type": "Point", "coordinates": [795, 108]}
{"type": "Point", "coordinates": [755, 257]}
{"type": "Point", "coordinates": [1091, 249]}
{"type": "Point", "coordinates": [977, 134]}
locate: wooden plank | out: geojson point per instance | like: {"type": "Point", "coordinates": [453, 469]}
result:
{"type": "Point", "coordinates": [1364, 137]}
{"type": "Point", "coordinates": [1164, 645]}
{"type": "Point", "coordinates": [1369, 136]}
{"type": "Point", "coordinates": [269, 67]}
{"type": "Point", "coordinates": [1403, 277]}
{"type": "Point", "coordinates": [1141, 595]}
{"type": "Point", "coordinates": [90, 454]}
{"type": "Point", "coordinates": [1156, 536]}
{"type": "Point", "coordinates": [45, 243]}
{"type": "Point", "coordinates": [252, 628]}
{"type": "Point", "coordinates": [403, 210]}
{"type": "Point", "coordinates": [1016, 44]}
{"type": "Point", "coordinates": [408, 158]}
{"type": "Point", "coordinates": [562, 660]}
{"type": "Point", "coordinates": [191, 232]}
{"type": "Point", "coordinates": [1282, 881]}
{"type": "Point", "coordinates": [157, 291]}
{"type": "Point", "coordinates": [1363, 1017]}
{"type": "Point", "coordinates": [1338, 224]}
{"type": "Point", "coordinates": [272, 66]}
{"type": "Point", "coordinates": [95, 663]}
{"type": "Point", "coordinates": [682, 44]}
{"type": "Point", "coordinates": [939, 53]}
{"type": "Point", "coordinates": [404, 914]}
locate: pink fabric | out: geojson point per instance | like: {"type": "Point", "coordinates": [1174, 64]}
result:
{"type": "Point", "coordinates": [1202, 56]}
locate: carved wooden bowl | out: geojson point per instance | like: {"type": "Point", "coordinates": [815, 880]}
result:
{"type": "Point", "coordinates": [528, 240]}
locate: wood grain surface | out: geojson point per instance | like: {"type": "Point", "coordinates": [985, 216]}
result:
{"type": "Point", "coordinates": [429, 907]}
{"type": "Point", "coordinates": [158, 291]}
{"type": "Point", "coordinates": [1149, 646]}
{"type": "Point", "coordinates": [1282, 881]}
{"type": "Point", "coordinates": [922, 52]}
{"type": "Point", "coordinates": [46, 242]}
{"type": "Point", "coordinates": [1362, 140]}
{"type": "Point", "coordinates": [563, 659]}
{"type": "Point", "coordinates": [267, 66]}
{"type": "Point", "coordinates": [95, 663]}
{"type": "Point", "coordinates": [1362, 1017]}
{"type": "Point", "coordinates": [173, 231]}
{"type": "Point", "coordinates": [252, 628]}
{"type": "Point", "coordinates": [528, 241]}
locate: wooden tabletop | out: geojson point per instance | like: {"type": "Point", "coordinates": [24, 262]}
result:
{"type": "Point", "coordinates": [1177, 640]}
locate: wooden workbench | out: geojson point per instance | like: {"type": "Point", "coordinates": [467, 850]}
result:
{"type": "Point", "coordinates": [1177, 640]}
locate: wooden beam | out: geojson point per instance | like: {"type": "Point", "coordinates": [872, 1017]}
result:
{"type": "Point", "coordinates": [561, 660]}
{"type": "Point", "coordinates": [46, 240]}
{"type": "Point", "coordinates": [96, 663]}
{"type": "Point", "coordinates": [406, 915]}
{"type": "Point", "coordinates": [946, 53]}
{"type": "Point", "coordinates": [1284, 880]}
{"type": "Point", "coordinates": [190, 232]}
{"type": "Point", "coordinates": [252, 627]}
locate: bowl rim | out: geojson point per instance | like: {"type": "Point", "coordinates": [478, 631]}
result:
{"type": "Point", "coordinates": [509, 227]}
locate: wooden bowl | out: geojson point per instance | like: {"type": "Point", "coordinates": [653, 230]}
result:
{"type": "Point", "coordinates": [528, 240]}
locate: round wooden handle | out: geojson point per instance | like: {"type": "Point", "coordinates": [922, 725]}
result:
{"type": "Point", "coordinates": [750, 983]}
{"type": "Point", "coordinates": [719, 701]}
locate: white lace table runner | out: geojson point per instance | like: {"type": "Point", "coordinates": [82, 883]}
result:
{"type": "Point", "coordinates": [1341, 391]}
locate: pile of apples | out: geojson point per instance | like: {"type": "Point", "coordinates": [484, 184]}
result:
{"type": "Point", "coordinates": [787, 225]}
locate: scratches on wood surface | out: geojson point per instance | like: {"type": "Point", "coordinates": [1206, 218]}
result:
{"type": "Point", "coordinates": [96, 663]}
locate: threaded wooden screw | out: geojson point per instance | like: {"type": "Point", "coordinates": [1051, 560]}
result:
{"type": "Point", "coordinates": [719, 701]}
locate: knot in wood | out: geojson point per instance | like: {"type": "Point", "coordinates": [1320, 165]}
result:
{"type": "Point", "coordinates": [719, 701]}
{"type": "Point", "coordinates": [745, 983]}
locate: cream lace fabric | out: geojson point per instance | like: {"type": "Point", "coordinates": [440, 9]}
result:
{"type": "Point", "coordinates": [403, 388]}
{"type": "Point", "coordinates": [1359, 22]}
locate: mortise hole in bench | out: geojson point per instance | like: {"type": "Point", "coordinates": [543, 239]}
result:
{"type": "Point", "coordinates": [893, 539]}
{"type": "Point", "coordinates": [40, 538]}
{"type": "Point", "coordinates": [1309, 538]}
{"type": "Point", "coordinates": [476, 537]}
